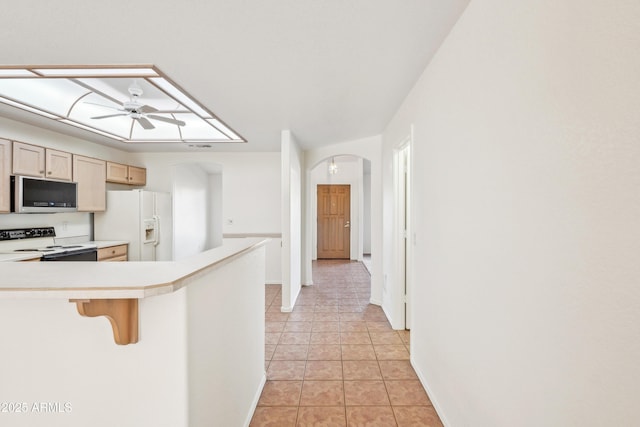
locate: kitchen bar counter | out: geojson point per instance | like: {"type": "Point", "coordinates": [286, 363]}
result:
{"type": "Point", "coordinates": [192, 335]}
{"type": "Point", "coordinates": [97, 280]}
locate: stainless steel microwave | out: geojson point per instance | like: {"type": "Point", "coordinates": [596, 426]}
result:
{"type": "Point", "coordinates": [35, 195]}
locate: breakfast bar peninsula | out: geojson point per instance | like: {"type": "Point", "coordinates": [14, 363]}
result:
{"type": "Point", "coordinates": [176, 343]}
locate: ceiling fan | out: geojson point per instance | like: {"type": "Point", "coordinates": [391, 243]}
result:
{"type": "Point", "coordinates": [140, 112]}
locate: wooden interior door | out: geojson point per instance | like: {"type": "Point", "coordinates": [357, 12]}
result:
{"type": "Point", "coordinates": [334, 221]}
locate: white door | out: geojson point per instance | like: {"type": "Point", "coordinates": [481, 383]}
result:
{"type": "Point", "coordinates": [402, 232]}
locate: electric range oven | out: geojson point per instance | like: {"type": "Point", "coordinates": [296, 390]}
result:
{"type": "Point", "coordinates": [41, 240]}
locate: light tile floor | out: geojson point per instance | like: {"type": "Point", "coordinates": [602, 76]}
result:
{"type": "Point", "coordinates": [335, 361]}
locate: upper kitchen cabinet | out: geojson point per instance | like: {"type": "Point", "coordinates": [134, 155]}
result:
{"type": "Point", "coordinates": [117, 172]}
{"type": "Point", "coordinates": [137, 176]}
{"type": "Point", "coordinates": [58, 165]}
{"type": "Point", "coordinates": [32, 160]}
{"type": "Point", "coordinates": [5, 173]}
{"type": "Point", "coordinates": [124, 174]}
{"type": "Point", "coordinates": [28, 159]}
{"type": "Point", "coordinates": [90, 174]}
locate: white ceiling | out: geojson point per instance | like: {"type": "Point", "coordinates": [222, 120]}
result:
{"type": "Point", "coordinates": [328, 70]}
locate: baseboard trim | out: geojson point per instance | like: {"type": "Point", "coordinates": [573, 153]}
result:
{"type": "Point", "coordinates": [273, 282]}
{"type": "Point", "coordinates": [286, 309]}
{"type": "Point", "coordinates": [256, 398]}
{"type": "Point", "coordinates": [432, 397]}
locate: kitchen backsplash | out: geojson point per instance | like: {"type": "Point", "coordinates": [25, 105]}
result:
{"type": "Point", "coordinates": [67, 225]}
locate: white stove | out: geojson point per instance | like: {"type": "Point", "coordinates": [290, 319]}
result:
{"type": "Point", "coordinates": [42, 240]}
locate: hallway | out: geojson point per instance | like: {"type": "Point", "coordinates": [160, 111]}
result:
{"type": "Point", "coordinates": [335, 361]}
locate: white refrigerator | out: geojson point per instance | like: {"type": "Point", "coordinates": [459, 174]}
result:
{"type": "Point", "coordinates": [142, 218]}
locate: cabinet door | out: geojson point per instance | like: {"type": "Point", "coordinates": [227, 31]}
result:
{"type": "Point", "coordinates": [113, 253]}
{"type": "Point", "coordinates": [137, 176]}
{"type": "Point", "coordinates": [28, 159]}
{"type": "Point", "coordinates": [58, 165]}
{"type": "Point", "coordinates": [90, 174]}
{"type": "Point", "coordinates": [117, 172]}
{"type": "Point", "coordinates": [5, 173]}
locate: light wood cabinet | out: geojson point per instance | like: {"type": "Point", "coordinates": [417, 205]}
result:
{"type": "Point", "coordinates": [125, 174]}
{"type": "Point", "coordinates": [137, 176]}
{"type": "Point", "coordinates": [32, 160]}
{"type": "Point", "coordinates": [90, 174]}
{"type": "Point", "coordinates": [58, 165]}
{"type": "Point", "coordinates": [5, 174]}
{"type": "Point", "coordinates": [28, 159]}
{"type": "Point", "coordinates": [117, 172]}
{"type": "Point", "coordinates": [113, 253]}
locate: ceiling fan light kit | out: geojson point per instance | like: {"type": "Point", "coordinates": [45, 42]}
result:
{"type": "Point", "coordinates": [133, 104]}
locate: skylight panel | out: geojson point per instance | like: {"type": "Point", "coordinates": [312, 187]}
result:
{"type": "Point", "coordinates": [128, 104]}
{"type": "Point", "coordinates": [55, 96]}
{"type": "Point", "coordinates": [184, 99]}
{"type": "Point", "coordinates": [198, 129]}
{"type": "Point", "coordinates": [79, 125]}
{"type": "Point", "coordinates": [218, 124]}
{"type": "Point", "coordinates": [27, 108]}
{"type": "Point", "coordinates": [9, 72]}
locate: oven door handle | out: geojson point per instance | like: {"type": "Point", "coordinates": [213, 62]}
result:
{"type": "Point", "coordinates": [69, 254]}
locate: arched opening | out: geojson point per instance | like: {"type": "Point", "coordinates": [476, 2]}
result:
{"type": "Point", "coordinates": [343, 172]}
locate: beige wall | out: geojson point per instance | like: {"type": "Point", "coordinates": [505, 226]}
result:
{"type": "Point", "coordinates": [527, 200]}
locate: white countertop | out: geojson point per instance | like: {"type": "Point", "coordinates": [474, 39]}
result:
{"type": "Point", "coordinates": [107, 243]}
{"type": "Point", "coordinates": [24, 256]}
{"type": "Point", "coordinates": [108, 280]}
{"type": "Point", "coordinates": [19, 256]}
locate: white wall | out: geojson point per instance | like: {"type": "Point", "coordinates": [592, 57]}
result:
{"type": "Point", "coordinates": [215, 210]}
{"type": "Point", "coordinates": [526, 215]}
{"type": "Point", "coordinates": [52, 354]}
{"type": "Point", "coordinates": [292, 184]}
{"type": "Point", "coordinates": [225, 384]}
{"type": "Point", "coordinates": [191, 214]}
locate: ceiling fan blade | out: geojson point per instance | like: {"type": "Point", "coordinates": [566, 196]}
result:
{"type": "Point", "coordinates": [147, 109]}
{"type": "Point", "coordinates": [110, 115]}
{"type": "Point", "coordinates": [166, 120]}
{"type": "Point", "coordinates": [171, 111]}
{"type": "Point", "coordinates": [145, 123]}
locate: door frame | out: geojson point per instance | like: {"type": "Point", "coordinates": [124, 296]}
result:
{"type": "Point", "coordinates": [403, 232]}
{"type": "Point", "coordinates": [349, 233]}
{"type": "Point", "coordinates": [355, 181]}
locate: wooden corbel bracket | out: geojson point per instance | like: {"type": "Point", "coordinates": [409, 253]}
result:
{"type": "Point", "coordinates": [122, 314]}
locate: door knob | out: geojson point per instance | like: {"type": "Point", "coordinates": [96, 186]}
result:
{"type": "Point", "coordinates": [346, 225]}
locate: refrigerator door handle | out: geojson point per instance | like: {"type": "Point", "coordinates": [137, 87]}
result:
{"type": "Point", "coordinates": [156, 225]}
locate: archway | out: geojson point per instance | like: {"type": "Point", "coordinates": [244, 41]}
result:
{"type": "Point", "coordinates": [368, 151]}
